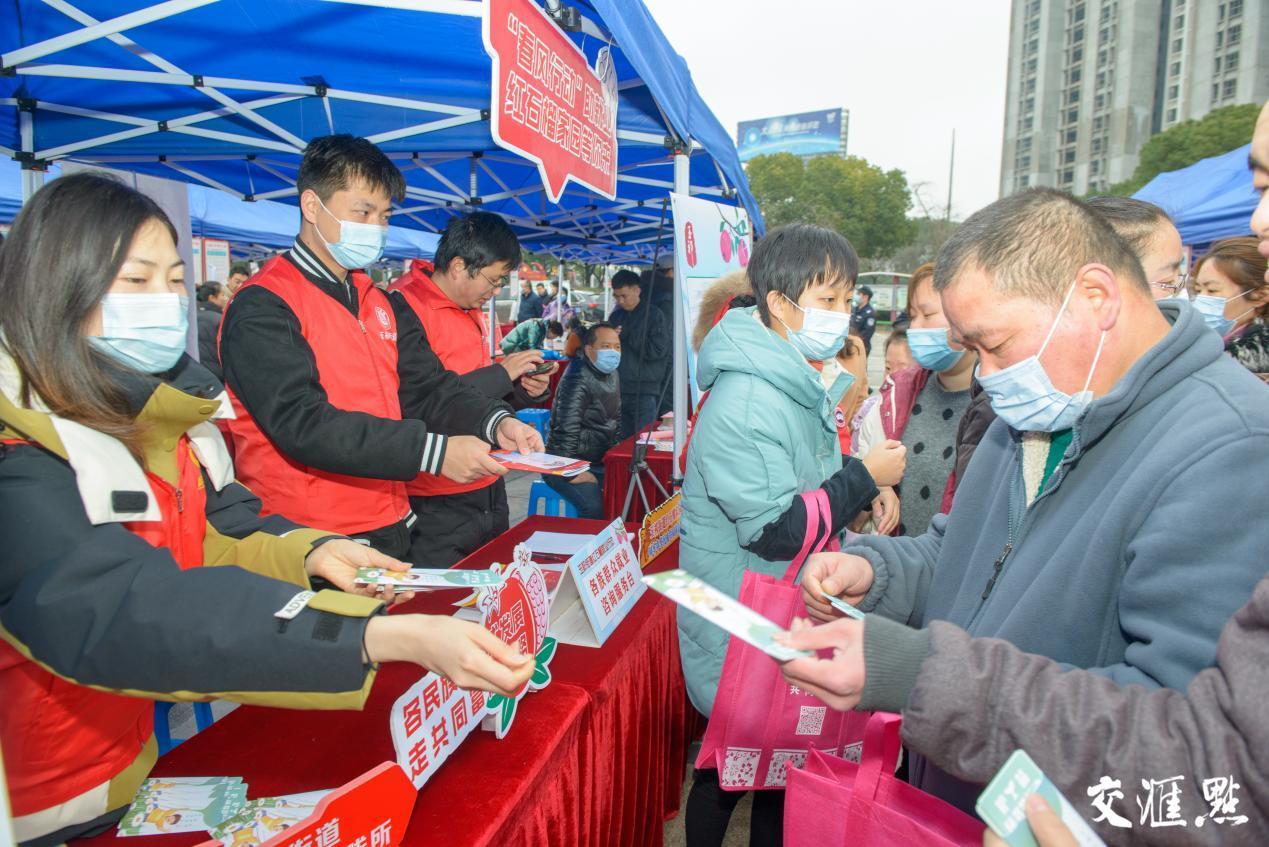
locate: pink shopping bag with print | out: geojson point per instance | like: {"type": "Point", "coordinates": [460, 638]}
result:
{"type": "Point", "coordinates": [831, 802]}
{"type": "Point", "coordinates": [760, 724]}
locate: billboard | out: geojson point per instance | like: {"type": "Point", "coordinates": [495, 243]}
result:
{"type": "Point", "coordinates": [805, 134]}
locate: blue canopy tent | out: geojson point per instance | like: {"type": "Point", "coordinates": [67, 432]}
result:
{"type": "Point", "coordinates": [226, 94]}
{"type": "Point", "coordinates": [267, 224]}
{"type": "Point", "coordinates": [271, 224]}
{"type": "Point", "coordinates": [1210, 200]}
{"type": "Point", "coordinates": [172, 99]}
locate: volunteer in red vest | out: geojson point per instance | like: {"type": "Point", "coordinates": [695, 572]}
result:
{"type": "Point", "coordinates": [338, 407]}
{"type": "Point", "coordinates": [117, 504]}
{"type": "Point", "coordinates": [476, 254]}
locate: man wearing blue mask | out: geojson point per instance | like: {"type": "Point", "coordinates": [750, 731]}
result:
{"type": "Point", "coordinates": [339, 401]}
{"type": "Point", "coordinates": [585, 417]}
{"type": "Point", "coordinates": [1077, 533]}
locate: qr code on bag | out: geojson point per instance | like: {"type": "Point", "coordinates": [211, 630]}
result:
{"type": "Point", "coordinates": [851, 752]}
{"type": "Point", "coordinates": [781, 761]}
{"type": "Point", "coordinates": [740, 767]}
{"type": "Point", "coordinates": [810, 720]}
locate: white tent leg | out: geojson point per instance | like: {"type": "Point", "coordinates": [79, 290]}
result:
{"type": "Point", "coordinates": [681, 186]}
{"type": "Point", "coordinates": [493, 327]}
{"type": "Point", "coordinates": [32, 180]}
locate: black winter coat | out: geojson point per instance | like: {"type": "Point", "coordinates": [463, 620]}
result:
{"type": "Point", "coordinates": [644, 359]}
{"type": "Point", "coordinates": [586, 412]}
{"type": "Point", "coordinates": [209, 315]}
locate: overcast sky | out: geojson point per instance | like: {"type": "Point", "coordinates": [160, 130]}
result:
{"type": "Point", "coordinates": [909, 71]}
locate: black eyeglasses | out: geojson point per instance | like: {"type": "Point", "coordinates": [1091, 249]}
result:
{"type": "Point", "coordinates": [1174, 287]}
{"type": "Point", "coordinates": [500, 282]}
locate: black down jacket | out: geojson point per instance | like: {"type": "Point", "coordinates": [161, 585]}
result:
{"type": "Point", "coordinates": [586, 412]}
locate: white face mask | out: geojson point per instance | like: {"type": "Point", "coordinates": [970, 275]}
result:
{"type": "Point", "coordinates": [143, 331]}
{"type": "Point", "coordinates": [1023, 396]}
{"type": "Point", "coordinates": [359, 244]}
{"type": "Point", "coordinates": [822, 333]}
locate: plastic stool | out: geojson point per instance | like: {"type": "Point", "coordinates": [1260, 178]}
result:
{"type": "Point", "coordinates": [203, 718]}
{"type": "Point", "coordinates": [541, 494]}
{"type": "Point", "coordinates": [539, 419]}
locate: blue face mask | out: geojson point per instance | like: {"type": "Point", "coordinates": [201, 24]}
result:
{"type": "Point", "coordinates": [146, 332]}
{"type": "Point", "coordinates": [606, 361]}
{"type": "Point", "coordinates": [1023, 396]}
{"type": "Point", "coordinates": [359, 244]}
{"type": "Point", "coordinates": [1213, 311]}
{"type": "Point", "coordinates": [931, 349]}
{"type": "Point", "coordinates": [822, 333]}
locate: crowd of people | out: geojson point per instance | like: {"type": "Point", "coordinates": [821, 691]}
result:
{"type": "Point", "coordinates": [1046, 510]}
{"type": "Point", "coordinates": [1091, 588]}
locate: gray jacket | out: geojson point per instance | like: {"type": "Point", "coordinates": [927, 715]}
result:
{"type": "Point", "coordinates": [1147, 537]}
{"type": "Point", "coordinates": [976, 700]}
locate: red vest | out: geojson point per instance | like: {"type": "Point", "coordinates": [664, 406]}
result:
{"type": "Point", "coordinates": [357, 363]}
{"type": "Point", "coordinates": [460, 339]}
{"type": "Point", "coordinates": [61, 739]}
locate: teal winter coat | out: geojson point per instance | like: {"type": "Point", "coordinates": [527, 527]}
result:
{"type": "Point", "coordinates": [765, 435]}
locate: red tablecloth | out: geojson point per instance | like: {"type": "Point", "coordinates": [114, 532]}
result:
{"type": "Point", "coordinates": [594, 759]}
{"type": "Point", "coordinates": [617, 479]}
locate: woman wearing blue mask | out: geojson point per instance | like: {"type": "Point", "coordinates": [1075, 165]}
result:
{"type": "Point", "coordinates": [117, 499]}
{"type": "Point", "coordinates": [586, 417]}
{"type": "Point", "coordinates": [925, 414]}
{"type": "Point", "coordinates": [1230, 288]}
{"type": "Point", "coordinates": [767, 434]}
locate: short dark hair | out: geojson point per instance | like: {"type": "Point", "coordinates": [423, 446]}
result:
{"type": "Point", "coordinates": [555, 327]}
{"type": "Point", "coordinates": [480, 239]}
{"type": "Point", "coordinates": [625, 278]}
{"type": "Point", "coordinates": [1032, 243]}
{"type": "Point", "coordinates": [208, 290]}
{"type": "Point", "coordinates": [240, 268]}
{"type": "Point", "coordinates": [333, 162]}
{"type": "Point", "coordinates": [793, 258]}
{"type": "Point", "coordinates": [1133, 220]}
{"type": "Point", "coordinates": [896, 335]}
{"type": "Point", "coordinates": [588, 336]}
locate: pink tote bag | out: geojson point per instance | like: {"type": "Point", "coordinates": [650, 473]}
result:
{"type": "Point", "coordinates": [831, 802]}
{"type": "Point", "coordinates": [760, 724]}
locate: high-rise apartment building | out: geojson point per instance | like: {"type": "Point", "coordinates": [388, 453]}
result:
{"type": "Point", "coordinates": [1091, 80]}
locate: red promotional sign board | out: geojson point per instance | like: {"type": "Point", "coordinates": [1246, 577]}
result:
{"type": "Point", "coordinates": [547, 104]}
{"type": "Point", "coordinates": [371, 811]}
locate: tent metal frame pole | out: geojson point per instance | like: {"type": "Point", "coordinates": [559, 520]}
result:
{"type": "Point", "coordinates": [424, 128]}
{"type": "Point", "coordinates": [32, 179]}
{"type": "Point", "coordinates": [559, 291]}
{"type": "Point", "coordinates": [459, 8]}
{"type": "Point", "coordinates": [681, 186]}
{"type": "Point", "coordinates": [145, 126]}
{"type": "Point", "coordinates": [660, 183]}
{"type": "Point", "coordinates": [141, 17]}
{"type": "Point", "coordinates": [205, 180]}
{"type": "Point", "coordinates": [493, 326]}
{"type": "Point", "coordinates": [163, 64]}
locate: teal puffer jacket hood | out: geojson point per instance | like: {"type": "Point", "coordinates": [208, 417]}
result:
{"type": "Point", "coordinates": [765, 434]}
